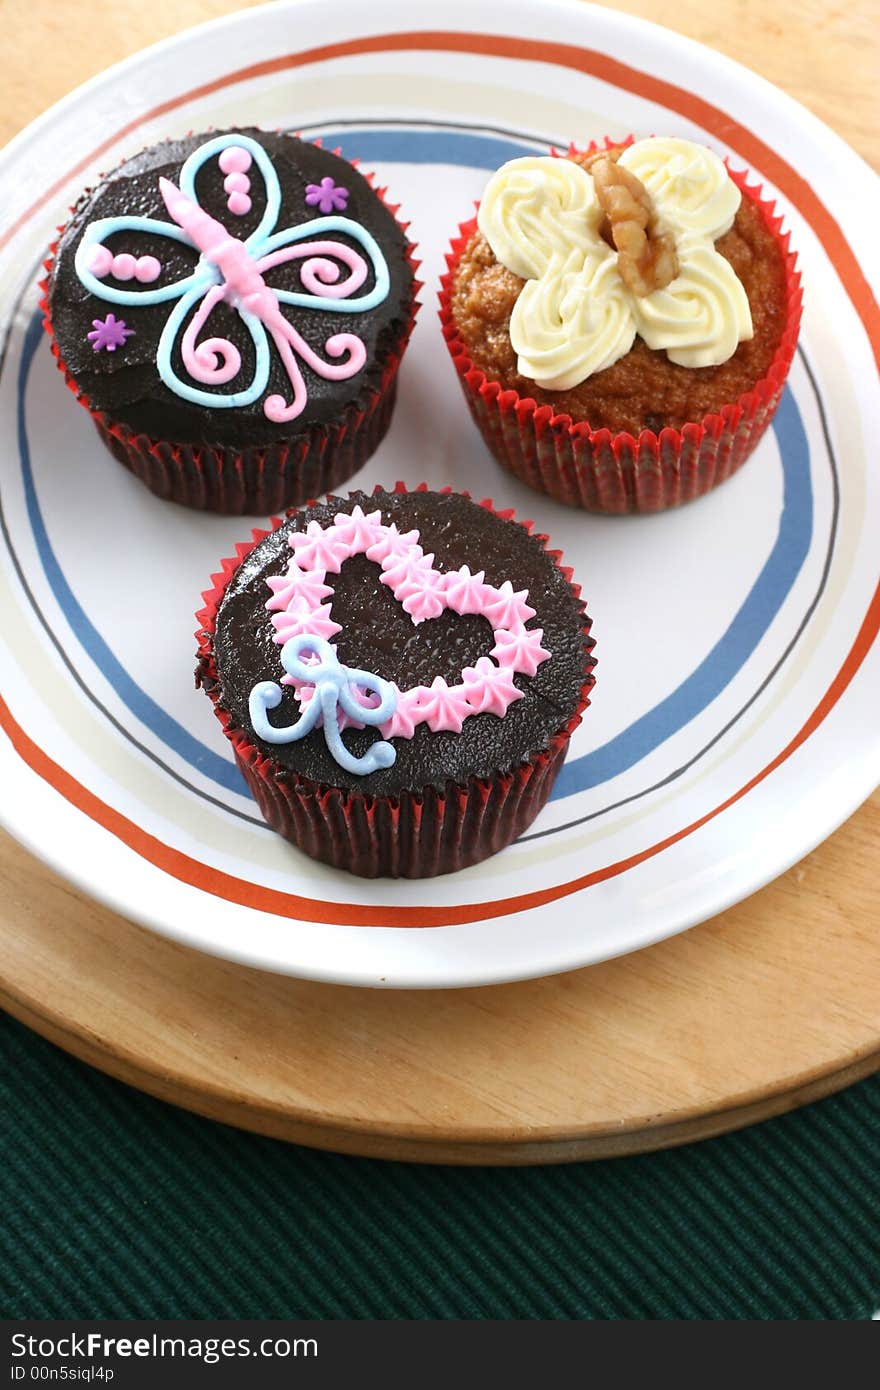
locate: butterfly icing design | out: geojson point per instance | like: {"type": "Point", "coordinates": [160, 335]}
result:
{"type": "Point", "coordinates": [232, 271]}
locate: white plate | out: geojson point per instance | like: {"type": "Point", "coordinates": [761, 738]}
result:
{"type": "Point", "coordinates": [734, 723]}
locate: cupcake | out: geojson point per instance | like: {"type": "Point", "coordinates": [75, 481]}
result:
{"type": "Point", "coordinates": [232, 308]}
{"type": "Point", "coordinates": [399, 676]}
{"type": "Point", "coordinates": [622, 321]}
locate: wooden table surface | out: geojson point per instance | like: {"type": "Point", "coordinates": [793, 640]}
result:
{"type": "Point", "coordinates": [825, 53]}
{"type": "Point", "coordinates": [794, 969]}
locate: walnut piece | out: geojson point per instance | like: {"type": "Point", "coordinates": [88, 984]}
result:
{"type": "Point", "coordinates": [645, 257]}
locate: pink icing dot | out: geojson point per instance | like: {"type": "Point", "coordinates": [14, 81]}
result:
{"type": "Point", "coordinates": [239, 204]}
{"type": "Point", "coordinates": [235, 160]}
{"type": "Point", "coordinates": [236, 183]}
{"type": "Point", "coordinates": [100, 261]}
{"type": "Point", "coordinates": [124, 267]}
{"type": "Point", "coordinates": [147, 269]}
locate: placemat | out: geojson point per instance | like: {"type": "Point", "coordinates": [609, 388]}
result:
{"type": "Point", "coordinates": [115, 1205]}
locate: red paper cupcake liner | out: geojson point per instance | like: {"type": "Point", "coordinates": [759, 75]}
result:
{"type": "Point", "coordinates": [253, 481]}
{"type": "Point", "coordinates": [412, 834]}
{"type": "Point", "coordinates": [615, 473]}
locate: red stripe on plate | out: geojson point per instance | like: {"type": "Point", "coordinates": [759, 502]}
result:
{"type": "Point", "coordinates": [757, 153]}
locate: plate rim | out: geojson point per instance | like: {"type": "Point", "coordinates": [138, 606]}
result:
{"type": "Point", "coordinates": [858, 788]}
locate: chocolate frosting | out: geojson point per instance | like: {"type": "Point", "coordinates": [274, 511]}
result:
{"type": "Point", "coordinates": [126, 384]}
{"type": "Point", "coordinates": [378, 636]}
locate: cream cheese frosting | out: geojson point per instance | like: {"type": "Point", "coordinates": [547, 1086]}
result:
{"type": "Point", "coordinates": [575, 315]}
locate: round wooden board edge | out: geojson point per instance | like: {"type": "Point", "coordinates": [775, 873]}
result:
{"type": "Point", "coordinates": [469, 1149]}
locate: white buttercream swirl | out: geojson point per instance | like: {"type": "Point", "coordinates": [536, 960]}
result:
{"type": "Point", "coordinates": [702, 316]}
{"type": "Point", "coordinates": [537, 209]}
{"type": "Point", "coordinates": [575, 315]}
{"type": "Point", "coordinates": [690, 189]}
{"type": "Point", "coordinates": [574, 321]}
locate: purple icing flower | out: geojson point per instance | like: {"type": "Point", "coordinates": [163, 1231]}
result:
{"type": "Point", "coordinates": [109, 333]}
{"type": "Point", "coordinates": [327, 196]}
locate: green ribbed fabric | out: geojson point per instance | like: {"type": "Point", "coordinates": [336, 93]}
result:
{"type": "Point", "coordinates": [115, 1205]}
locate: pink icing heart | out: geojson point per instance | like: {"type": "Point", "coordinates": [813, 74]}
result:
{"type": "Point", "coordinates": [299, 603]}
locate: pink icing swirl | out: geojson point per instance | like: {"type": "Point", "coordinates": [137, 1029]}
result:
{"type": "Point", "coordinates": [392, 543]}
{"type": "Point", "coordinates": [317, 549]}
{"type": "Point", "coordinates": [294, 621]}
{"type": "Point", "coordinates": [297, 584]}
{"type": "Point", "coordinates": [521, 650]}
{"type": "Point", "coordinates": [216, 360]}
{"type": "Point", "coordinates": [318, 273]}
{"type": "Point", "coordinates": [490, 689]}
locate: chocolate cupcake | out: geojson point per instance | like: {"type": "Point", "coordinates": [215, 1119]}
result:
{"type": "Point", "coordinates": [622, 321]}
{"type": "Point", "coordinates": [232, 309]}
{"type": "Point", "coordinates": [399, 675]}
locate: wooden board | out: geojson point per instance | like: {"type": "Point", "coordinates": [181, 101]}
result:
{"type": "Point", "coordinates": [771, 1004]}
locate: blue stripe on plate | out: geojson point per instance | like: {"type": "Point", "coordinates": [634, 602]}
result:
{"type": "Point", "coordinates": [731, 651]}
{"type": "Point", "coordinates": [151, 714]}
{"type": "Point", "coordinates": [396, 146]}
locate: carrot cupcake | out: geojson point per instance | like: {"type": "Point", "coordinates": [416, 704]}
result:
{"type": "Point", "coordinates": [622, 321]}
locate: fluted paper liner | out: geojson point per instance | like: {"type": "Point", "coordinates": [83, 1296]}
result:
{"type": "Point", "coordinates": [606, 472]}
{"type": "Point", "coordinates": [248, 480]}
{"type": "Point", "coordinates": [414, 834]}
